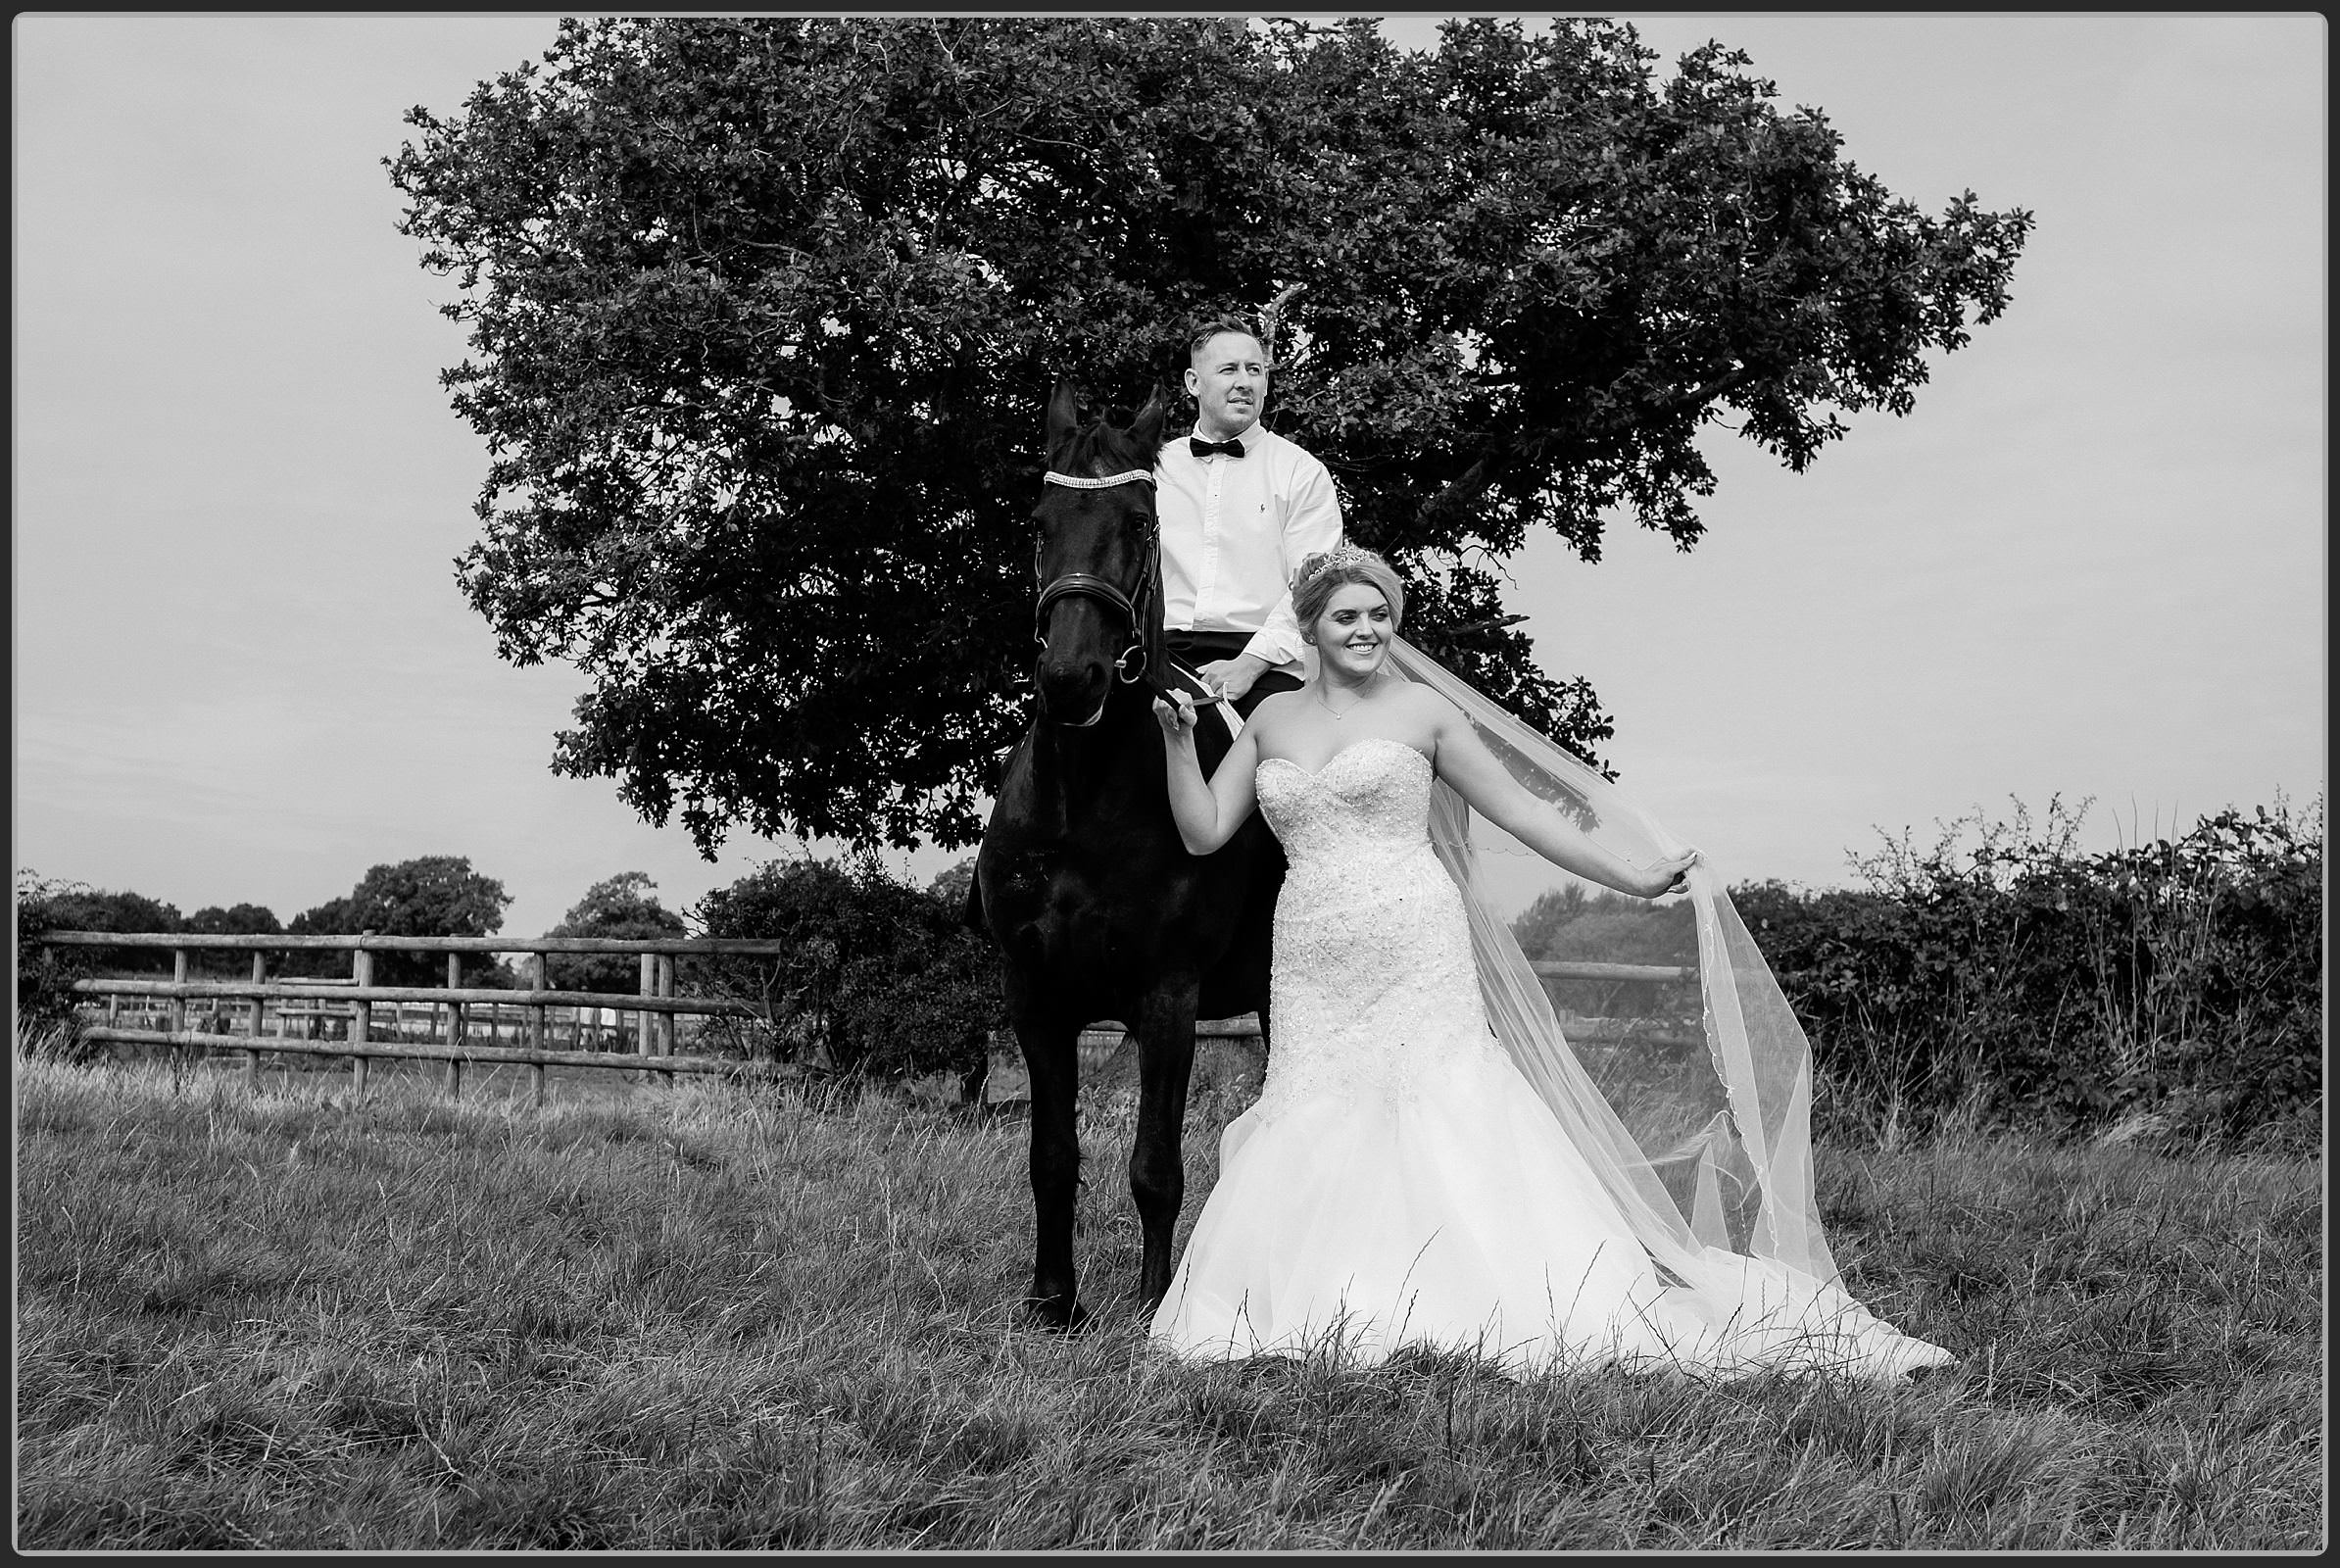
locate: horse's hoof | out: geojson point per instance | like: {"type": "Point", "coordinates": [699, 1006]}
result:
{"type": "Point", "coordinates": [1055, 1316]}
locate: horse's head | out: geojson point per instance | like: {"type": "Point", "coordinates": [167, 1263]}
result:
{"type": "Point", "coordinates": [1100, 615]}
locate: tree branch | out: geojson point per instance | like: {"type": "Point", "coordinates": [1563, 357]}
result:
{"type": "Point", "coordinates": [1466, 487]}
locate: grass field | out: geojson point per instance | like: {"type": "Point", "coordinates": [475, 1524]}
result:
{"type": "Point", "coordinates": [715, 1317]}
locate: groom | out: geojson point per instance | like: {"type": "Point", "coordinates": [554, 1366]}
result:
{"type": "Point", "coordinates": [1240, 507]}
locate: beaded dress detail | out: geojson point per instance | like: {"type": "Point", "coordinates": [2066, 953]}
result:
{"type": "Point", "coordinates": [1373, 1196]}
{"type": "Point", "coordinates": [1374, 984]}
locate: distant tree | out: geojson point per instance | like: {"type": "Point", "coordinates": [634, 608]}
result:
{"type": "Point", "coordinates": [1538, 927]}
{"type": "Point", "coordinates": [951, 887]}
{"type": "Point", "coordinates": [48, 903]}
{"type": "Point", "coordinates": [242, 919]}
{"type": "Point", "coordinates": [430, 896]}
{"type": "Point", "coordinates": [763, 310]}
{"type": "Point", "coordinates": [329, 918]}
{"type": "Point", "coordinates": [621, 905]}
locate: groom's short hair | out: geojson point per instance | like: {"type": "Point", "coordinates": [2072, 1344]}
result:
{"type": "Point", "coordinates": [1224, 322]}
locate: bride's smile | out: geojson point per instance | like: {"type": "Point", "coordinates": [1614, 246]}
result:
{"type": "Point", "coordinates": [1352, 633]}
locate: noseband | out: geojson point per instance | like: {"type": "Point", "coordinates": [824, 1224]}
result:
{"type": "Point", "coordinates": [1084, 584]}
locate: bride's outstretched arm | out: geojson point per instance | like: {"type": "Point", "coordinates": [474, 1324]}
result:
{"type": "Point", "coordinates": [1467, 767]}
{"type": "Point", "coordinates": [1207, 812]}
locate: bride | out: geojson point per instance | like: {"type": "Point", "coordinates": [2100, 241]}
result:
{"type": "Point", "coordinates": [1412, 1175]}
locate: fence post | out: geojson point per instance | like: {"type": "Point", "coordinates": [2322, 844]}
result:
{"type": "Point", "coordinates": [361, 1015]}
{"type": "Point", "coordinates": [667, 1019]}
{"type": "Point", "coordinates": [536, 1030]}
{"type": "Point", "coordinates": [642, 1025]}
{"type": "Point", "coordinates": [260, 1006]}
{"type": "Point", "coordinates": [178, 1005]}
{"type": "Point", "coordinates": [455, 1026]}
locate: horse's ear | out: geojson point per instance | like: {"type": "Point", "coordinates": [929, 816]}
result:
{"type": "Point", "coordinates": [1146, 429]}
{"type": "Point", "coordinates": [1064, 415]}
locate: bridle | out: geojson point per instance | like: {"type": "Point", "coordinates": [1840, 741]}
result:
{"type": "Point", "coordinates": [1136, 660]}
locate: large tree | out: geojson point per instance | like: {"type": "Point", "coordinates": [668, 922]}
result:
{"type": "Point", "coordinates": [622, 905]}
{"type": "Point", "coordinates": [429, 896]}
{"type": "Point", "coordinates": [763, 312]}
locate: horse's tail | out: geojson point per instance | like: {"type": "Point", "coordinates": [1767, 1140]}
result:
{"type": "Point", "coordinates": [972, 914]}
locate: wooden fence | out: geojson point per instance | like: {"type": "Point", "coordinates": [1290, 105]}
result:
{"type": "Point", "coordinates": [460, 1018]}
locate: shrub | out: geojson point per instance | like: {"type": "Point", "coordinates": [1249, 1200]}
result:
{"type": "Point", "coordinates": [881, 979]}
{"type": "Point", "coordinates": [47, 1021]}
{"type": "Point", "coordinates": [55, 905]}
{"type": "Point", "coordinates": [2175, 984]}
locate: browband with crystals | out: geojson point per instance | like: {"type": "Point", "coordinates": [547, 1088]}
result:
{"type": "Point", "coordinates": [1106, 484]}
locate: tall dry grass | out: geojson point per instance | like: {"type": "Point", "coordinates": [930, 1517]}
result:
{"type": "Point", "coordinates": [709, 1317]}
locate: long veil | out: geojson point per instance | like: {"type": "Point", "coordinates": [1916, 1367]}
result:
{"type": "Point", "coordinates": [1702, 1138]}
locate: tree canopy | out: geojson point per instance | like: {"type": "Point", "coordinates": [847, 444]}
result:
{"type": "Point", "coordinates": [763, 312]}
{"type": "Point", "coordinates": [622, 905]}
{"type": "Point", "coordinates": [56, 904]}
{"type": "Point", "coordinates": [429, 896]}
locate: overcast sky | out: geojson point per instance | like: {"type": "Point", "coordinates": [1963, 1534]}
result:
{"type": "Point", "coordinates": [2092, 562]}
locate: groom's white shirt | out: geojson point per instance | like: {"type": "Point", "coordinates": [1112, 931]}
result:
{"type": "Point", "coordinates": [1234, 531]}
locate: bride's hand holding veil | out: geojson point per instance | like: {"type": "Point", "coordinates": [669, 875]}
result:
{"type": "Point", "coordinates": [1669, 875]}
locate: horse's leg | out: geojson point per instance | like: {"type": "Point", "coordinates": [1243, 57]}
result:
{"type": "Point", "coordinates": [1052, 1055]}
{"type": "Point", "coordinates": [1165, 1027]}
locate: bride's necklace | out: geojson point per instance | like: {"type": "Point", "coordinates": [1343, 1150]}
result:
{"type": "Point", "coordinates": [1336, 713]}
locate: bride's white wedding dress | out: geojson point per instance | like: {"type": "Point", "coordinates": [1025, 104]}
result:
{"type": "Point", "coordinates": [1398, 1182]}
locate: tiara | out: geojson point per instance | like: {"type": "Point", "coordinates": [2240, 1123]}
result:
{"type": "Point", "coordinates": [1342, 553]}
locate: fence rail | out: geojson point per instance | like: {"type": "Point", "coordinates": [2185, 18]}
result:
{"type": "Point", "coordinates": [436, 1050]}
{"type": "Point", "coordinates": [307, 990]}
{"type": "Point", "coordinates": [369, 942]}
{"type": "Point", "coordinates": [656, 1007]}
{"type": "Point", "coordinates": [1641, 973]}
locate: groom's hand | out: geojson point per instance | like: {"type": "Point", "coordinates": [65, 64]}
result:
{"type": "Point", "coordinates": [1233, 676]}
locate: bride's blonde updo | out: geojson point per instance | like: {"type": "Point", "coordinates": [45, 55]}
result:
{"type": "Point", "coordinates": [1312, 586]}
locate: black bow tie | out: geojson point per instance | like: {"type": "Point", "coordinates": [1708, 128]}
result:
{"type": "Point", "coordinates": [1203, 449]}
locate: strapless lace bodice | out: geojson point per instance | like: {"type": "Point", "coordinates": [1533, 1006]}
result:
{"type": "Point", "coordinates": [1374, 987]}
{"type": "Point", "coordinates": [1370, 802]}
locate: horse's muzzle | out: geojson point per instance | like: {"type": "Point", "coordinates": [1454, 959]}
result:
{"type": "Point", "coordinates": [1073, 691]}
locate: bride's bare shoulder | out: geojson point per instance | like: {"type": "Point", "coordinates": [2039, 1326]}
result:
{"type": "Point", "coordinates": [1274, 712]}
{"type": "Point", "coordinates": [1419, 701]}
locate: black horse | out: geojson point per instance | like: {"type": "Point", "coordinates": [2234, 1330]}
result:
{"type": "Point", "coordinates": [1098, 910]}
